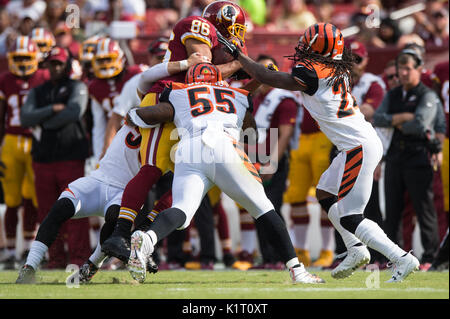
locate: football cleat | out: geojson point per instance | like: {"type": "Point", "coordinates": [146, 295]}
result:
{"type": "Point", "coordinates": [27, 275]}
{"type": "Point", "coordinates": [117, 246]}
{"type": "Point", "coordinates": [87, 271]}
{"type": "Point", "coordinates": [152, 267]}
{"type": "Point", "coordinates": [357, 256]}
{"type": "Point", "coordinates": [228, 259]}
{"type": "Point", "coordinates": [299, 275]}
{"type": "Point", "coordinates": [141, 250]}
{"type": "Point", "coordinates": [403, 266]}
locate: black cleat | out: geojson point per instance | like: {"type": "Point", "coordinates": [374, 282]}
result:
{"type": "Point", "coordinates": [87, 271]}
{"type": "Point", "coordinates": [117, 246]}
{"type": "Point", "coordinates": [228, 259]}
{"type": "Point", "coordinates": [152, 267]}
{"type": "Point", "coordinates": [26, 275]}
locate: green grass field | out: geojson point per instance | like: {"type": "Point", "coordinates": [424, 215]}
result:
{"type": "Point", "coordinates": [225, 285]}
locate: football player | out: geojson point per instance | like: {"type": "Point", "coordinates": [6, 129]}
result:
{"type": "Point", "coordinates": [15, 141]}
{"type": "Point", "coordinates": [45, 42]}
{"type": "Point", "coordinates": [98, 194]}
{"type": "Point", "coordinates": [111, 73]}
{"type": "Point", "coordinates": [191, 34]}
{"type": "Point", "coordinates": [210, 116]}
{"type": "Point", "coordinates": [322, 75]}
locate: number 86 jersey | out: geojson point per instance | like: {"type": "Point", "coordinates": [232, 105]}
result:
{"type": "Point", "coordinates": [332, 105]}
{"type": "Point", "coordinates": [198, 105]}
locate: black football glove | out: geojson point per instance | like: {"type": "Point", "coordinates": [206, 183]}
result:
{"type": "Point", "coordinates": [2, 168]}
{"type": "Point", "coordinates": [230, 48]}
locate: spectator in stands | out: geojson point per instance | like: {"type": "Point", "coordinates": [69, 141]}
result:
{"type": "Point", "coordinates": [21, 8]}
{"type": "Point", "coordinates": [55, 12]}
{"type": "Point", "coordinates": [390, 76]}
{"type": "Point", "coordinates": [389, 33]}
{"type": "Point", "coordinates": [294, 16]}
{"type": "Point", "coordinates": [59, 149]}
{"type": "Point", "coordinates": [64, 38]}
{"type": "Point", "coordinates": [6, 31]}
{"type": "Point", "coordinates": [432, 25]}
{"type": "Point", "coordinates": [26, 24]}
{"type": "Point", "coordinates": [410, 110]}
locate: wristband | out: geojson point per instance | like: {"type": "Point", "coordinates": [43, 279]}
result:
{"type": "Point", "coordinates": [184, 65]}
{"type": "Point", "coordinates": [135, 118]}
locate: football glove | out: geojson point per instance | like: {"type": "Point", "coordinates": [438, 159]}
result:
{"type": "Point", "coordinates": [2, 168]}
{"type": "Point", "coordinates": [230, 48]}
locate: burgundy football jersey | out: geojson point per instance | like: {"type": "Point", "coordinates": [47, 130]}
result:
{"type": "Point", "coordinates": [104, 91]}
{"type": "Point", "coordinates": [14, 91]}
{"type": "Point", "coordinates": [193, 27]}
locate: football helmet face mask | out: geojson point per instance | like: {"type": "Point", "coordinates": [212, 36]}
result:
{"type": "Point", "coordinates": [109, 59]}
{"type": "Point", "coordinates": [227, 17]}
{"type": "Point", "coordinates": [324, 39]}
{"type": "Point", "coordinates": [45, 41]}
{"type": "Point", "coordinates": [203, 72]}
{"type": "Point", "coordinates": [23, 57]}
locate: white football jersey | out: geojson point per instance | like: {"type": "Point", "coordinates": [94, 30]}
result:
{"type": "Point", "coordinates": [333, 107]}
{"type": "Point", "coordinates": [200, 105]}
{"type": "Point", "coordinates": [121, 161]}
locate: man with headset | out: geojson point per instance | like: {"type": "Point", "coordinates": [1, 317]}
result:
{"type": "Point", "coordinates": [411, 110]}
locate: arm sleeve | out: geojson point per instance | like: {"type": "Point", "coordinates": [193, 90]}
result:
{"type": "Point", "coordinates": [425, 116]}
{"type": "Point", "coordinates": [75, 108]}
{"type": "Point", "coordinates": [98, 129]}
{"type": "Point", "coordinates": [152, 75]}
{"type": "Point", "coordinates": [307, 76]}
{"type": "Point", "coordinates": [440, 125]}
{"type": "Point", "coordinates": [128, 97]}
{"type": "Point", "coordinates": [32, 116]}
{"type": "Point", "coordinates": [381, 118]}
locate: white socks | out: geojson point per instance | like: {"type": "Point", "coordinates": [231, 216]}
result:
{"type": "Point", "coordinates": [153, 237]}
{"type": "Point", "coordinates": [36, 254]}
{"type": "Point", "coordinates": [292, 262]}
{"type": "Point", "coordinates": [97, 257]}
{"type": "Point", "coordinates": [373, 236]}
{"type": "Point", "coordinates": [349, 239]}
{"type": "Point", "coordinates": [327, 237]}
{"type": "Point", "coordinates": [248, 241]}
{"type": "Point", "coordinates": [301, 235]}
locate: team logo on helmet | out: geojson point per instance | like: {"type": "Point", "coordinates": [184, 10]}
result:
{"type": "Point", "coordinates": [228, 13]}
{"type": "Point", "coordinates": [203, 72]}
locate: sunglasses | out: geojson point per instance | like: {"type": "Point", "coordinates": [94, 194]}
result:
{"type": "Point", "coordinates": [391, 76]}
{"type": "Point", "coordinates": [437, 14]}
{"type": "Point", "coordinates": [357, 59]}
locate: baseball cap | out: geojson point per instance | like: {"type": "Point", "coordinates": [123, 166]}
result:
{"type": "Point", "coordinates": [359, 49]}
{"type": "Point", "coordinates": [159, 46]}
{"type": "Point", "coordinates": [59, 54]}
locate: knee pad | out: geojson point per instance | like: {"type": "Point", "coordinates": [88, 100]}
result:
{"type": "Point", "coordinates": [326, 203]}
{"type": "Point", "coordinates": [351, 222]}
{"type": "Point", "coordinates": [112, 213]}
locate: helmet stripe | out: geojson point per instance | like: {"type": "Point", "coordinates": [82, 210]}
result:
{"type": "Point", "coordinates": [333, 30]}
{"type": "Point", "coordinates": [325, 40]}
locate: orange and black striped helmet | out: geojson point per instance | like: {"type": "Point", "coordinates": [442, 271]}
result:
{"type": "Point", "coordinates": [203, 72]}
{"type": "Point", "coordinates": [324, 39]}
